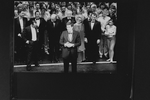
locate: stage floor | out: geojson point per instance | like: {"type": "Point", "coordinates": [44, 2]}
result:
{"type": "Point", "coordinates": [84, 67]}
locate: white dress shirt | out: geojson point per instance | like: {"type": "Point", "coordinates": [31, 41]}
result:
{"type": "Point", "coordinates": [34, 34]}
{"type": "Point", "coordinates": [92, 25]}
{"type": "Point", "coordinates": [70, 36]}
{"type": "Point", "coordinates": [38, 22]}
{"type": "Point", "coordinates": [21, 23]}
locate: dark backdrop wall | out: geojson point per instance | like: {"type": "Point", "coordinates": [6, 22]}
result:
{"type": "Point", "coordinates": [52, 84]}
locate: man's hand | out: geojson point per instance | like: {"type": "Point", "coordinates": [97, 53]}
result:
{"type": "Point", "coordinates": [19, 35]}
{"type": "Point", "coordinates": [98, 41]}
{"type": "Point", "coordinates": [27, 41]}
{"type": "Point", "coordinates": [67, 44]}
{"type": "Point", "coordinates": [85, 39]}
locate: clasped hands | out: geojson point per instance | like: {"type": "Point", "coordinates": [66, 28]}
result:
{"type": "Point", "coordinates": [69, 45]}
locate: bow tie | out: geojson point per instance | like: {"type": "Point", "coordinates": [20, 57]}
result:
{"type": "Point", "coordinates": [37, 19]}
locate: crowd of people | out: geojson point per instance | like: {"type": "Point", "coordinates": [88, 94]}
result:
{"type": "Point", "coordinates": [96, 23]}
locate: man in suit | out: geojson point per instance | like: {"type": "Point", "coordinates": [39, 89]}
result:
{"type": "Point", "coordinates": [86, 22]}
{"type": "Point", "coordinates": [31, 38]}
{"type": "Point", "coordinates": [54, 32]}
{"type": "Point", "coordinates": [41, 26]}
{"type": "Point", "coordinates": [70, 40]}
{"type": "Point", "coordinates": [19, 24]}
{"type": "Point", "coordinates": [66, 19]}
{"type": "Point", "coordinates": [92, 38]}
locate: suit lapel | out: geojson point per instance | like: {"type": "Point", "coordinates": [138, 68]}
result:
{"type": "Point", "coordinates": [74, 36]}
{"type": "Point", "coordinates": [66, 36]}
{"type": "Point", "coordinates": [18, 23]}
{"type": "Point", "coordinates": [24, 22]}
{"type": "Point", "coordinates": [94, 25]}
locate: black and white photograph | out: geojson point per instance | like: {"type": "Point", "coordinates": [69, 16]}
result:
{"type": "Point", "coordinates": [65, 37]}
{"type": "Point", "coordinates": [72, 50]}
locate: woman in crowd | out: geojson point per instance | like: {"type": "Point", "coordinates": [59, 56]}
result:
{"type": "Point", "coordinates": [79, 26]}
{"type": "Point", "coordinates": [110, 32]}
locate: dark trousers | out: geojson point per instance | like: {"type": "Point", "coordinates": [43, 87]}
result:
{"type": "Point", "coordinates": [73, 61]}
{"type": "Point", "coordinates": [20, 50]}
{"type": "Point", "coordinates": [92, 51]}
{"type": "Point", "coordinates": [33, 53]}
{"type": "Point", "coordinates": [54, 51]}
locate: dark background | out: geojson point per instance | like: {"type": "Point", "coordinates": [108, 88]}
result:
{"type": "Point", "coordinates": [133, 28]}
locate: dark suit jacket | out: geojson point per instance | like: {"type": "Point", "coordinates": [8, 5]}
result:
{"type": "Point", "coordinates": [17, 26]}
{"type": "Point", "coordinates": [54, 32]}
{"type": "Point", "coordinates": [42, 28]}
{"type": "Point", "coordinates": [18, 41]}
{"type": "Point", "coordinates": [65, 20]}
{"type": "Point", "coordinates": [73, 50]}
{"type": "Point", "coordinates": [27, 34]}
{"type": "Point", "coordinates": [94, 34]}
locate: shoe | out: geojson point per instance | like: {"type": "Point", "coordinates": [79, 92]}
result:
{"type": "Point", "coordinates": [94, 62]}
{"type": "Point", "coordinates": [85, 61]}
{"type": "Point", "coordinates": [37, 65]}
{"type": "Point", "coordinates": [28, 68]}
{"type": "Point", "coordinates": [111, 61]}
{"type": "Point", "coordinates": [108, 60]}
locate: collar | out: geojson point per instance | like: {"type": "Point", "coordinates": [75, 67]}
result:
{"type": "Point", "coordinates": [70, 33]}
{"type": "Point", "coordinates": [37, 19]}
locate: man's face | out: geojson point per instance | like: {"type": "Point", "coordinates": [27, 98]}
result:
{"type": "Point", "coordinates": [69, 7]}
{"type": "Point", "coordinates": [37, 15]}
{"type": "Point", "coordinates": [21, 14]}
{"type": "Point", "coordinates": [110, 22]}
{"type": "Point", "coordinates": [63, 9]}
{"type": "Point", "coordinates": [93, 17]}
{"type": "Point", "coordinates": [53, 19]}
{"type": "Point", "coordinates": [102, 6]}
{"type": "Point", "coordinates": [69, 28]}
{"type": "Point", "coordinates": [37, 6]}
{"type": "Point", "coordinates": [79, 20]}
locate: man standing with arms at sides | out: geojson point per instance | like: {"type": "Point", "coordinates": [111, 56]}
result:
{"type": "Point", "coordinates": [70, 40]}
{"type": "Point", "coordinates": [92, 38]}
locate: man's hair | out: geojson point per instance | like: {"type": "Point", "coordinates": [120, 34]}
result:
{"type": "Point", "coordinates": [32, 22]}
{"type": "Point", "coordinates": [69, 23]}
{"type": "Point", "coordinates": [37, 12]}
{"type": "Point", "coordinates": [93, 13]}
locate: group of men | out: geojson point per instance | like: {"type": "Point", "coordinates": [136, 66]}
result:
{"type": "Point", "coordinates": [29, 38]}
